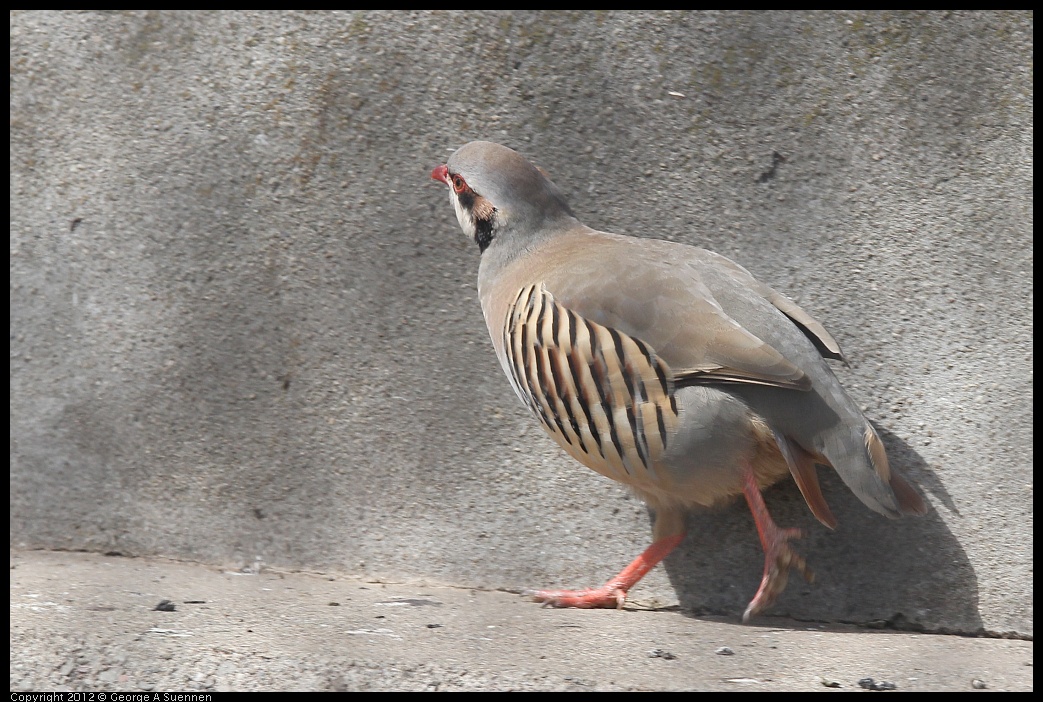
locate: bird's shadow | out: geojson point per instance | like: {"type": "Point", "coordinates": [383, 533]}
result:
{"type": "Point", "coordinates": [909, 573]}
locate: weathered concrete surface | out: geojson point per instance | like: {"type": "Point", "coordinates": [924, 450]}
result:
{"type": "Point", "coordinates": [244, 327]}
{"type": "Point", "coordinates": [88, 622]}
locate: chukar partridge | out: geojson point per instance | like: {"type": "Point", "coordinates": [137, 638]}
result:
{"type": "Point", "coordinates": [666, 367]}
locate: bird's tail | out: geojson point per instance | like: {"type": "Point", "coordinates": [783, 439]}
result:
{"type": "Point", "coordinates": [861, 461]}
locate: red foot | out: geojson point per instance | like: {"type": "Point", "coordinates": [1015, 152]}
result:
{"type": "Point", "coordinates": [779, 557]}
{"type": "Point", "coordinates": [592, 598]}
{"type": "Point", "coordinates": [614, 592]}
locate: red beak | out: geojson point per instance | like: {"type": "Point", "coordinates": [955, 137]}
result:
{"type": "Point", "coordinates": [441, 173]}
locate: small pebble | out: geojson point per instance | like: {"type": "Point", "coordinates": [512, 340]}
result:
{"type": "Point", "coordinates": [978, 684]}
{"type": "Point", "coordinates": [724, 651]}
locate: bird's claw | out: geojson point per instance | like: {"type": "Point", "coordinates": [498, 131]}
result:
{"type": "Point", "coordinates": [778, 561]}
{"type": "Point", "coordinates": [605, 597]}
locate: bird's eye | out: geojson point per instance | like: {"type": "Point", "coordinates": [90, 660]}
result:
{"type": "Point", "coordinates": [459, 185]}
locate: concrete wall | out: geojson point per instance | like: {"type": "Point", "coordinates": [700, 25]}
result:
{"type": "Point", "coordinates": [244, 328]}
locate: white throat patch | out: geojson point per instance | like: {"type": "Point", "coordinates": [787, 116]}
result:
{"type": "Point", "coordinates": [464, 216]}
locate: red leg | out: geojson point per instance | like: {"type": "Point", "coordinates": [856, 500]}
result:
{"type": "Point", "coordinates": [778, 556]}
{"type": "Point", "coordinates": [614, 592]}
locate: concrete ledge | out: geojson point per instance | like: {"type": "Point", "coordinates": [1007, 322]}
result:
{"type": "Point", "coordinates": [88, 622]}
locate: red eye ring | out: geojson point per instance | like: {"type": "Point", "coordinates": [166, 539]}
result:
{"type": "Point", "coordinates": [459, 184]}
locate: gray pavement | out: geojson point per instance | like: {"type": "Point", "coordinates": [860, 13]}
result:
{"type": "Point", "coordinates": [89, 622]}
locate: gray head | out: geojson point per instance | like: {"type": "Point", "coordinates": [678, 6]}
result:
{"type": "Point", "coordinates": [496, 192]}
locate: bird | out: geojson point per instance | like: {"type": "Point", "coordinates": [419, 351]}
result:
{"type": "Point", "coordinates": [666, 367]}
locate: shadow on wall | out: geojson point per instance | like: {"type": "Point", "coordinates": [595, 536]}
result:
{"type": "Point", "coordinates": [909, 573]}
